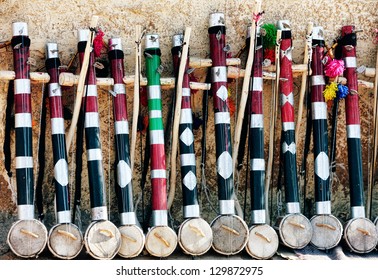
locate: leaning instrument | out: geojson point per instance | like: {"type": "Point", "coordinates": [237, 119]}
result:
{"type": "Point", "coordinates": [65, 239]}
{"type": "Point", "coordinates": [102, 238]}
{"type": "Point", "coordinates": [263, 239]}
{"type": "Point", "coordinates": [195, 234]}
{"type": "Point", "coordinates": [360, 233]}
{"type": "Point", "coordinates": [132, 235]}
{"type": "Point", "coordinates": [27, 237]}
{"type": "Point", "coordinates": [294, 228]}
{"type": "Point", "coordinates": [230, 232]}
{"type": "Point", "coordinates": [327, 229]}
{"type": "Point", "coordinates": [161, 240]}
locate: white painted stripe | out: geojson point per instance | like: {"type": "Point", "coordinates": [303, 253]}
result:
{"type": "Point", "coordinates": [257, 164]}
{"type": "Point", "coordinates": [317, 80]}
{"type": "Point", "coordinates": [350, 62]}
{"type": "Point", "coordinates": [25, 212]}
{"type": "Point", "coordinates": [319, 110]}
{"type": "Point", "coordinates": [127, 218]}
{"type": "Point", "coordinates": [90, 90]}
{"type": "Point", "coordinates": [257, 84]}
{"type": "Point", "coordinates": [288, 126]}
{"type": "Point", "coordinates": [188, 159]}
{"type": "Point", "coordinates": [257, 120]}
{"type": "Point", "coordinates": [154, 92]}
{"type": "Point", "coordinates": [91, 120]}
{"type": "Point", "coordinates": [94, 154]}
{"type": "Point", "coordinates": [258, 216]}
{"type": "Point", "coordinates": [99, 213]}
{"type": "Point", "coordinates": [121, 127]}
{"type": "Point", "coordinates": [222, 118]}
{"type": "Point", "coordinates": [119, 88]}
{"type": "Point", "coordinates": [24, 162]}
{"type": "Point", "coordinates": [55, 90]}
{"type": "Point", "coordinates": [219, 74]}
{"type": "Point", "coordinates": [191, 211]}
{"type": "Point", "coordinates": [358, 212]}
{"type": "Point", "coordinates": [159, 218]}
{"type": "Point", "coordinates": [22, 120]}
{"type": "Point", "coordinates": [154, 114]}
{"type": "Point", "coordinates": [293, 207]}
{"type": "Point", "coordinates": [21, 86]}
{"type": "Point", "coordinates": [323, 207]}
{"type": "Point", "coordinates": [186, 92]}
{"type": "Point", "coordinates": [353, 131]}
{"type": "Point", "coordinates": [227, 207]}
{"type": "Point", "coordinates": [158, 173]}
{"type": "Point", "coordinates": [186, 116]}
{"type": "Point", "coordinates": [156, 137]}
{"type": "Point", "coordinates": [57, 126]}
{"type": "Point", "coordinates": [63, 217]}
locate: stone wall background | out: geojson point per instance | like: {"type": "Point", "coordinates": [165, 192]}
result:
{"type": "Point", "coordinates": [55, 21]}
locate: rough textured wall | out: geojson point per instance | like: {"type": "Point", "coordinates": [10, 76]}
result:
{"type": "Point", "coordinates": [56, 21]}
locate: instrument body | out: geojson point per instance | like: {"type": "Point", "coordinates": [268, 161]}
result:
{"type": "Point", "coordinates": [27, 237]}
{"type": "Point", "coordinates": [161, 240]}
{"type": "Point", "coordinates": [295, 229]}
{"type": "Point", "coordinates": [230, 232]}
{"type": "Point", "coordinates": [65, 239]}
{"type": "Point", "coordinates": [263, 240]}
{"type": "Point", "coordinates": [102, 238]}
{"type": "Point", "coordinates": [360, 233]}
{"type": "Point", "coordinates": [194, 235]}
{"type": "Point", "coordinates": [327, 229]}
{"type": "Point", "coordinates": [132, 235]}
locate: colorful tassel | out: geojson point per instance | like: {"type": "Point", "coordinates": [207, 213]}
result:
{"type": "Point", "coordinates": [269, 32]}
{"type": "Point", "coordinates": [342, 91]}
{"type": "Point", "coordinates": [334, 68]}
{"type": "Point", "coordinates": [330, 91]}
{"type": "Point", "coordinates": [98, 43]}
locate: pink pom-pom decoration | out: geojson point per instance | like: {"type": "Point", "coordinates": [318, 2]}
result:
{"type": "Point", "coordinates": [334, 68]}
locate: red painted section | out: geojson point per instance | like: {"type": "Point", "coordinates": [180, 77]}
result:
{"type": "Point", "coordinates": [22, 103]}
{"type": "Point", "coordinates": [120, 107]}
{"type": "Point", "coordinates": [21, 67]}
{"type": "Point", "coordinates": [157, 156]}
{"type": "Point", "coordinates": [91, 104]}
{"type": "Point", "coordinates": [159, 197]}
{"type": "Point", "coordinates": [56, 107]}
{"type": "Point", "coordinates": [54, 75]}
{"type": "Point", "coordinates": [256, 104]}
{"type": "Point", "coordinates": [286, 82]}
{"type": "Point", "coordinates": [117, 69]}
{"type": "Point", "coordinates": [352, 111]}
{"type": "Point", "coordinates": [317, 69]}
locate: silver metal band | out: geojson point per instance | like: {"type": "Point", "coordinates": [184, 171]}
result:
{"type": "Point", "coordinates": [127, 218]}
{"type": "Point", "coordinates": [20, 29]}
{"type": "Point", "coordinates": [63, 217]}
{"type": "Point", "coordinates": [152, 41]}
{"type": "Point", "coordinates": [115, 43]}
{"type": "Point", "coordinates": [357, 212]}
{"type": "Point", "coordinates": [54, 90]}
{"type": "Point", "coordinates": [119, 88]}
{"type": "Point", "coordinates": [52, 50]}
{"type": "Point", "coordinates": [99, 213]}
{"type": "Point", "coordinates": [317, 80]}
{"type": "Point", "coordinates": [159, 218]}
{"type": "Point", "coordinates": [293, 207]}
{"type": "Point", "coordinates": [219, 74]}
{"type": "Point", "coordinates": [216, 19]}
{"type": "Point", "coordinates": [227, 207]}
{"type": "Point", "coordinates": [177, 40]}
{"type": "Point", "coordinates": [350, 62]}
{"type": "Point", "coordinates": [258, 216]}
{"type": "Point", "coordinates": [191, 211]}
{"type": "Point", "coordinates": [25, 212]}
{"type": "Point", "coordinates": [323, 207]}
{"type": "Point", "coordinates": [83, 35]}
{"type": "Point", "coordinates": [317, 33]}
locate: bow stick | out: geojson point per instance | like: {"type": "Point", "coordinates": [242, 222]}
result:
{"type": "Point", "coordinates": [138, 50]}
{"type": "Point", "coordinates": [176, 121]}
{"type": "Point", "coordinates": [81, 83]}
{"type": "Point", "coordinates": [245, 88]}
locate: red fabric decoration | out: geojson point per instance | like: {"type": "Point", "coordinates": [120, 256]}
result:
{"type": "Point", "coordinates": [143, 96]}
{"type": "Point", "coordinates": [334, 68]}
{"type": "Point", "coordinates": [98, 43]}
{"type": "Point", "coordinates": [270, 54]}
